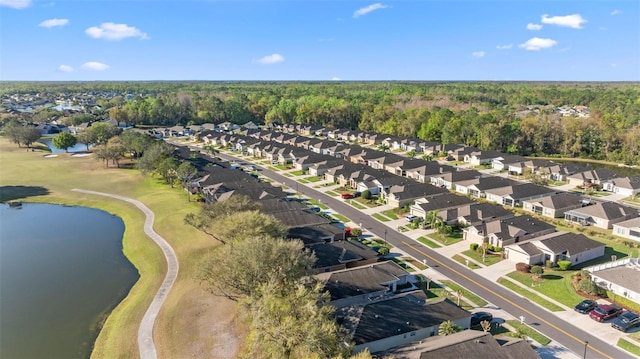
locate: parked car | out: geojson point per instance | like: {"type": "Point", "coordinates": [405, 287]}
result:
{"type": "Point", "coordinates": [346, 196]}
{"type": "Point", "coordinates": [479, 317]}
{"type": "Point", "coordinates": [586, 306]}
{"type": "Point", "coordinates": [357, 194]}
{"type": "Point", "coordinates": [604, 312]}
{"type": "Point", "coordinates": [626, 321]}
{"type": "Point", "coordinates": [411, 217]}
{"type": "Point", "coordinates": [315, 209]}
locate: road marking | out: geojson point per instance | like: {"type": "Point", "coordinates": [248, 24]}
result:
{"type": "Point", "coordinates": [506, 300]}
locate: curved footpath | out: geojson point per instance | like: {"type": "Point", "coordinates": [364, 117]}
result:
{"type": "Point", "coordinates": [146, 345]}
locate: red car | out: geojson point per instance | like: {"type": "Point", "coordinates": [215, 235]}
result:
{"type": "Point", "coordinates": [346, 196]}
{"type": "Point", "coordinates": [604, 312]}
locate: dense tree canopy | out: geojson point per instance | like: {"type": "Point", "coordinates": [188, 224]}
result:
{"type": "Point", "coordinates": [511, 117]}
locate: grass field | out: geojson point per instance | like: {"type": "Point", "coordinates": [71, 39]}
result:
{"type": "Point", "coordinates": [529, 295]}
{"type": "Point", "coordinates": [380, 217]}
{"type": "Point", "coordinates": [530, 332]}
{"type": "Point", "coordinates": [428, 243]}
{"type": "Point", "coordinates": [628, 346]}
{"type": "Point", "coordinates": [188, 310]}
{"type": "Point", "coordinates": [554, 284]}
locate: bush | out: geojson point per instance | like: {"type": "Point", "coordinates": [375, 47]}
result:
{"type": "Point", "coordinates": [564, 265]}
{"type": "Point", "coordinates": [497, 249]}
{"type": "Point", "coordinates": [537, 271]}
{"type": "Point", "coordinates": [548, 263]}
{"type": "Point", "coordinates": [474, 246]}
{"type": "Point", "coordinates": [366, 194]}
{"type": "Point", "coordinates": [523, 267]}
{"type": "Point", "coordinates": [383, 251]}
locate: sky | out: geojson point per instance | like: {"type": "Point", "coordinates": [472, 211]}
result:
{"type": "Point", "coordinates": [320, 40]}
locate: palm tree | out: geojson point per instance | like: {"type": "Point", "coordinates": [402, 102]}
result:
{"type": "Point", "coordinates": [448, 327]}
{"type": "Point", "coordinates": [427, 157]}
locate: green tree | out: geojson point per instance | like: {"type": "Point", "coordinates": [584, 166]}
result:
{"type": "Point", "coordinates": [448, 327]}
{"type": "Point", "coordinates": [153, 156]}
{"type": "Point", "coordinates": [294, 320]}
{"type": "Point", "coordinates": [237, 271]}
{"type": "Point", "coordinates": [101, 132]}
{"type": "Point", "coordinates": [240, 225]}
{"type": "Point", "coordinates": [186, 172]}
{"type": "Point", "coordinates": [537, 271]}
{"type": "Point", "coordinates": [64, 140]}
{"type": "Point", "coordinates": [366, 194]}
{"type": "Point", "coordinates": [167, 169]}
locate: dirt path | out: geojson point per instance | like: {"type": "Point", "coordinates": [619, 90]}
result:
{"type": "Point", "coordinates": [146, 344]}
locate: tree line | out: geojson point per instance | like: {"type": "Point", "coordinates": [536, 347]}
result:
{"type": "Point", "coordinates": [510, 117]}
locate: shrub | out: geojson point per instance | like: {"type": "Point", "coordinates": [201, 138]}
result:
{"type": "Point", "coordinates": [490, 247]}
{"type": "Point", "coordinates": [564, 265]}
{"type": "Point", "coordinates": [537, 271]}
{"type": "Point", "coordinates": [497, 249]}
{"type": "Point", "coordinates": [383, 251]}
{"type": "Point", "coordinates": [523, 267]}
{"type": "Point", "coordinates": [366, 194]}
{"type": "Point", "coordinates": [548, 263]}
{"type": "Point", "coordinates": [474, 246]}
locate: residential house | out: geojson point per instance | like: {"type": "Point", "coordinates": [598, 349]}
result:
{"type": "Point", "coordinates": [403, 195]}
{"type": "Point", "coordinates": [477, 187]}
{"type": "Point", "coordinates": [514, 195]}
{"type": "Point", "coordinates": [502, 163]}
{"type": "Point", "coordinates": [556, 246]}
{"type": "Point", "coordinates": [629, 229]}
{"type": "Point", "coordinates": [449, 180]}
{"type": "Point", "coordinates": [503, 232]}
{"type": "Point", "coordinates": [474, 344]}
{"type": "Point", "coordinates": [362, 284]}
{"type": "Point", "coordinates": [627, 186]}
{"type": "Point", "coordinates": [319, 169]}
{"type": "Point", "coordinates": [338, 255]}
{"type": "Point", "coordinates": [424, 170]}
{"type": "Point", "coordinates": [317, 233]}
{"type": "Point", "coordinates": [591, 177]}
{"type": "Point", "coordinates": [382, 159]}
{"type": "Point", "coordinates": [401, 167]}
{"type": "Point", "coordinates": [553, 205]}
{"type": "Point", "coordinates": [402, 319]}
{"type": "Point", "coordinates": [602, 215]}
{"type": "Point", "coordinates": [422, 206]}
{"type": "Point", "coordinates": [478, 158]}
{"type": "Point", "coordinates": [559, 172]}
{"type": "Point", "coordinates": [474, 213]}
{"type": "Point", "coordinates": [303, 163]}
{"type": "Point", "coordinates": [620, 277]}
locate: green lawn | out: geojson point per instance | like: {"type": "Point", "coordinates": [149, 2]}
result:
{"type": "Point", "coordinates": [531, 333]}
{"type": "Point", "coordinates": [465, 293]}
{"type": "Point", "coordinates": [390, 213]}
{"type": "Point", "coordinates": [317, 203]}
{"type": "Point", "coordinates": [448, 240]}
{"type": "Point", "coordinates": [332, 193]}
{"type": "Point", "coordinates": [314, 179]}
{"type": "Point", "coordinates": [356, 204]}
{"type": "Point", "coordinates": [428, 243]}
{"type": "Point", "coordinates": [415, 263]}
{"type": "Point", "coordinates": [298, 173]}
{"type": "Point", "coordinates": [628, 346]}
{"type": "Point", "coordinates": [462, 260]}
{"type": "Point", "coordinates": [340, 217]}
{"type": "Point", "coordinates": [288, 174]}
{"type": "Point", "coordinates": [554, 284]}
{"type": "Point", "coordinates": [367, 202]}
{"type": "Point", "coordinates": [403, 229]}
{"type": "Point", "coordinates": [302, 180]}
{"type": "Point", "coordinates": [489, 259]}
{"type": "Point", "coordinates": [380, 217]}
{"type": "Point", "coordinates": [529, 295]}
{"type": "Point", "coordinates": [376, 242]}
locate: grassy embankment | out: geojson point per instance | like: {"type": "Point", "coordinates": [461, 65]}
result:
{"type": "Point", "coordinates": [192, 323]}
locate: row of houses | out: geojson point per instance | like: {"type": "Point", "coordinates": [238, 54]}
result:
{"type": "Point", "coordinates": [380, 304]}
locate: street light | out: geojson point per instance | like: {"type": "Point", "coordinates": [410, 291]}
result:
{"type": "Point", "coordinates": [385, 235]}
{"type": "Point", "coordinates": [586, 343]}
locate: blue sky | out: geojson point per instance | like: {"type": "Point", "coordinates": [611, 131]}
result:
{"type": "Point", "coordinates": [561, 40]}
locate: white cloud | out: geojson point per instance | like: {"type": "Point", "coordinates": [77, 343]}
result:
{"type": "Point", "coordinates": [616, 12]}
{"type": "Point", "coordinates": [536, 43]}
{"type": "Point", "coordinates": [114, 32]}
{"type": "Point", "coordinates": [504, 47]}
{"type": "Point", "coordinates": [270, 59]}
{"type": "Point", "coordinates": [574, 21]}
{"type": "Point", "coordinates": [534, 27]}
{"type": "Point", "coordinates": [65, 68]}
{"type": "Point", "coordinates": [94, 66]}
{"type": "Point", "coordinates": [16, 4]}
{"type": "Point", "coordinates": [478, 54]}
{"type": "Point", "coordinates": [336, 79]}
{"type": "Point", "coordinates": [53, 23]}
{"type": "Point", "coordinates": [367, 9]}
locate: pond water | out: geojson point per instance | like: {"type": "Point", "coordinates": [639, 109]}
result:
{"type": "Point", "coordinates": [62, 271]}
{"type": "Point", "coordinates": [77, 148]}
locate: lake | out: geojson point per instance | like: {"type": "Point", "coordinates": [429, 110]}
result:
{"type": "Point", "coordinates": [77, 148]}
{"type": "Point", "coordinates": [62, 271]}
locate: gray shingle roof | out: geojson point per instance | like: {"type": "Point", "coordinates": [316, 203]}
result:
{"type": "Point", "coordinates": [361, 280]}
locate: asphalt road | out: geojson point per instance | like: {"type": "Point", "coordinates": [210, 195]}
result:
{"type": "Point", "coordinates": [571, 337]}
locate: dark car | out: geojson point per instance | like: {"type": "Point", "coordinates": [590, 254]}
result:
{"type": "Point", "coordinates": [626, 321]}
{"type": "Point", "coordinates": [604, 312]}
{"type": "Point", "coordinates": [586, 306]}
{"type": "Point", "coordinates": [479, 317]}
{"type": "Point", "coordinates": [346, 196]}
{"type": "Point", "coordinates": [357, 194]}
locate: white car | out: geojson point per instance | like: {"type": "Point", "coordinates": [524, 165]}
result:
{"type": "Point", "coordinates": [410, 218]}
